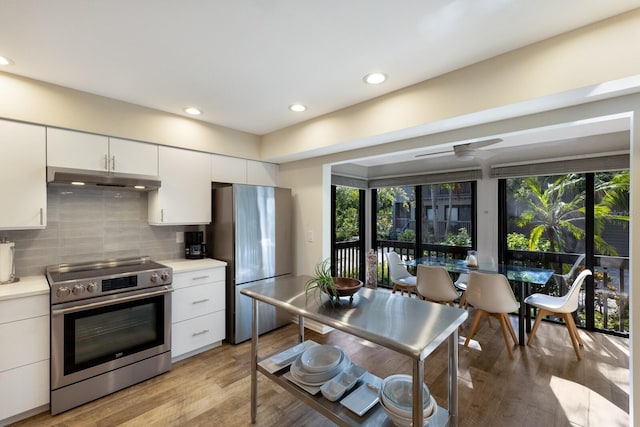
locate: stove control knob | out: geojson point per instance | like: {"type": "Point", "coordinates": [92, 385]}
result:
{"type": "Point", "coordinates": [164, 276]}
{"type": "Point", "coordinates": [154, 277]}
{"type": "Point", "coordinates": [63, 292]}
{"type": "Point", "coordinates": [78, 289]}
{"type": "Point", "coordinates": [92, 287]}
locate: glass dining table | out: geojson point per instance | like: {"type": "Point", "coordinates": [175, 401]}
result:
{"type": "Point", "coordinates": [522, 277]}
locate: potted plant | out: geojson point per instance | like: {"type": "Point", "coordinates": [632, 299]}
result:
{"type": "Point", "coordinates": [322, 280]}
{"type": "Point", "coordinates": [335, 287]}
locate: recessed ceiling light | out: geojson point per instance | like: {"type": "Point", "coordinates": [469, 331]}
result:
{"type": "Point", "coordinates": [5, 61]}
{"type": "Point", "coordinates": [298, 108]}
{"type": "Point", "coordinates": [193, 111]}
{"type": "Point", "coordinates": [77, 183]}
{"type": "Point", "coordinates": [374, 78]}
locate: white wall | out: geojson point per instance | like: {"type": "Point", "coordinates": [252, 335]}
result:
{"type": "Point", "coordinates": [306, 182]}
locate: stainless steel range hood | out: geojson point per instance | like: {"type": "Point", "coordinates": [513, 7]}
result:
{"type": "Point", "coordinates": [102, 179]}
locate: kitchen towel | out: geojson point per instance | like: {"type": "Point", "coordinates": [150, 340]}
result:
{"type": "Point", "coordinates": [6, 261]}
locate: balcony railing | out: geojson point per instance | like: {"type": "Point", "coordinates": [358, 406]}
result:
{"type": "Point", "coordinates": [347, 259]}
{"type": "Point", "coordinates": [610, 279]}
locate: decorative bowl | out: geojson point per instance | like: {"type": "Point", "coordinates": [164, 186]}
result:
{"type": "Point", "coordinates": [346, 286]}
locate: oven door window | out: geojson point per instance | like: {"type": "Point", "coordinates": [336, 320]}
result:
{"type": "Point", "coordinates": [100, 335]}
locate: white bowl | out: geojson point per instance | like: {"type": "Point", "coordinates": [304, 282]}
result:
{"type": "Point", "coordinates": [407, 421]}
{"type": "Point", "coordinates": [299, 374]}
{"type": "Point", "coordinates": [320, 358]}
{"type": "Point", "coordinates": [396, 392]}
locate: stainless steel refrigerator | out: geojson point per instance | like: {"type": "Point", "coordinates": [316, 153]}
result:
{"type": "Point", "coordinates": [251, 231]}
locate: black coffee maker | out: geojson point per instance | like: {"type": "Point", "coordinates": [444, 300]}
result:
{"type": "Point", "coordinates": [194, 248]}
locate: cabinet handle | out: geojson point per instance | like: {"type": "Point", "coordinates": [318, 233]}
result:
{"type": "Point", "coordinates": [41, 216]}
{"type": "Point", "coordinates": [200, 301]}
{"type": "Point", "coordinates": [195, 334]}
{"type": "Point", "coordinates": [106, 162]}
{"type": "Point", "coordinates": [113, 163]}
{"type": "Point", "coordinates": [161, 215]}
{"type": "Point", "coordinates": [199, 277]}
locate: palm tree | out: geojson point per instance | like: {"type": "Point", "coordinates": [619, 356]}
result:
{"type": "Point", "coordinates": [556, 209]}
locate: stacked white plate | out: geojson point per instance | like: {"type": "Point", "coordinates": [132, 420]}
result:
{"type": "Point", "coordinates": [318, 364]}
{"type": "Point", "coordinates": [396, 398]}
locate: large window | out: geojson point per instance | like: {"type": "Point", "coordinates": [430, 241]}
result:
{"type": "Point", "coordinates": [447, 217]}
{"type": "Point", "coordinates": [570, 222]}
{"type": "Point", "coordinates": [423, 220]}
{"type": "Point", "coordinates": [348, 250]}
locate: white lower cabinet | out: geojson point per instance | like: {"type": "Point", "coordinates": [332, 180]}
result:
{"type": "Point", "coordinates": [197, 311]}
{"type": "Point", "coordinates": [24, 360]}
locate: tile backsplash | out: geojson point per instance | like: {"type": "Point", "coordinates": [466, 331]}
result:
{"type": "Point", "coordinates": [90, 225]}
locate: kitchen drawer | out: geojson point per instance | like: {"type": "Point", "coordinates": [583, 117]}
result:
{"type": "Point", "coordinates": [198, 277]}
{"type": "Point", "coordinates": [24, 308]}
{"type": "Point", "coordinates": [27, 341]}
{"type": "Point", "coordinates": [197, 301]}
{"type": "Point", "coordinates": [23, 389]}
{"type": "Point", "coordinates": [195, 333]}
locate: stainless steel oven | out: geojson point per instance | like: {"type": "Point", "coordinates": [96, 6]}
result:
{"type": "Point", "coordinates": [110, 327]}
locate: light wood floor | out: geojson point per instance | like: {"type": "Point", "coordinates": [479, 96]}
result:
{"type": "Point", "coordinates": [544, 386]}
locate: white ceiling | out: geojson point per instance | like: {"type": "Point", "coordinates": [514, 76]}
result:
{"type": "Point", "coordinates": [243, 62]}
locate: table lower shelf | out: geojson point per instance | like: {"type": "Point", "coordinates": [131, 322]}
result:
{"type": "Point", "coordinates": [338, 413]}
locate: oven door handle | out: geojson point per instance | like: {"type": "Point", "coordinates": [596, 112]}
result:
{"type": "Point", "coordinates": [82, 307]}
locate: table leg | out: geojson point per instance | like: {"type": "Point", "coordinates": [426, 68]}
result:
{"type": "Point", "coordinates": [254, 362]}
{"type": "Point", "coordinates": [418, 391]}
{"type": "Point", "coordinates": [521, 314]}
{"type": "Point", "coordinates": [452, 345]}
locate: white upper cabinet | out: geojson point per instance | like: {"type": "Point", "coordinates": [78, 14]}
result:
{"type": "Point", "coordinates": [79, 150]}
{"type": "Point", "coordinates": [260, 173]}
{"type": "Point", "coordinates": [185, 195]}
{"type": "Point", "coordinates": [23, 181]}
{"type": "Point", "coordinates": [243, 171]}
{"type": "Point", "coordinates": [133, 157]}
{"type": "Point", "coordinates": [228, 169]}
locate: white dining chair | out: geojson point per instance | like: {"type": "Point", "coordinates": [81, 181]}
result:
{"type": "Point", "coordinates": [434, 284]}
{"type": "Point", "coordinates": [562, 307]}
{"type": "Point", "coordinates": [402, 280]}
{"type": "Point", "coordinates": [491, 295]}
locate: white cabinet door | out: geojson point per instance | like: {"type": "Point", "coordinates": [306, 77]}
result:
{"type": "Point", "coordinates": [23, 389]}
{"type": "Point", "coordinates": [197, 301]}
{"type": "Point", "coordinates": [228, 169]}
{"type": "Point", "coordinates": [29, 340]}
{"type": "Point", "coordinates": [260, 173]}
{"type": "Point", "coordinates": [77, 150]}
{"type": "Point", "coordinates": [197, 277]}
{"type": "Point", "coordinates": [23, 179]}
{"type": "Point", "coordinates": [133, 157]}
{"type": "Point", "coordinates": [185, 195]}
{"type": "Point", "coordinates": [192, 334]}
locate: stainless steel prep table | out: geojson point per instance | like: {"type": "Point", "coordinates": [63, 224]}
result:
{"type": "Point", "coordinates": [409, 326]}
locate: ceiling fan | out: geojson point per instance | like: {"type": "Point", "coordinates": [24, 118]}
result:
{"type": "Point", "coordinates": [468, 151]}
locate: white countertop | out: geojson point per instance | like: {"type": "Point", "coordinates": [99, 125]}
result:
{"type": "Point", "coordinates": [27, 286]}
{"type": "Point", "coordinates": [38, 285]}
{"type": "Point", "coordinates": [180, 265]}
